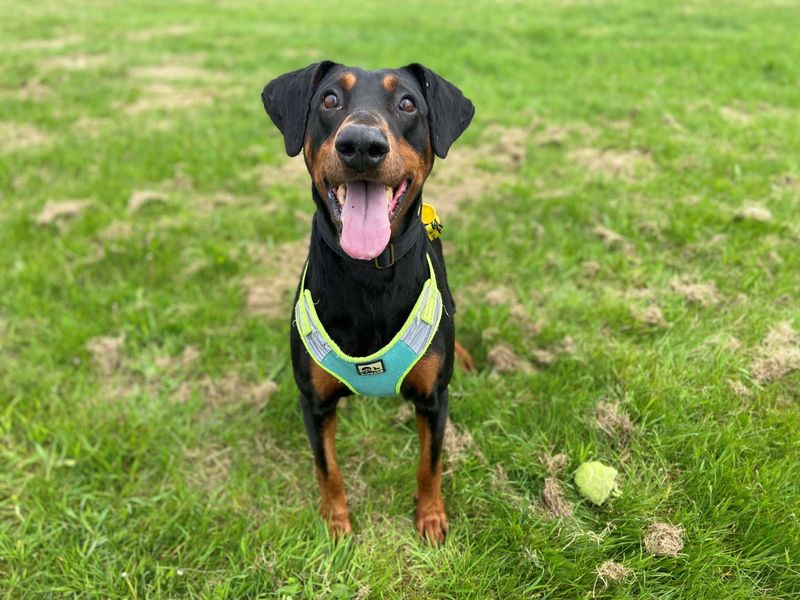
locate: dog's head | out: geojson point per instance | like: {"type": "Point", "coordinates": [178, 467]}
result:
{"type": "Point", "coordinates": [369, 139]}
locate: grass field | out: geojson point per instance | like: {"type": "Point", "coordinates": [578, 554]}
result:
{"type": "Point", "coordinates": [622, 234]}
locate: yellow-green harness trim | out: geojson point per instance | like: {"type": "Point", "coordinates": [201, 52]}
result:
{"type": "Point", "coordinates": [380, 373]}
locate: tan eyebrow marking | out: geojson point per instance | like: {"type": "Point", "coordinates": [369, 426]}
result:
{"type": "Point", "coordinates": [390, 82]}
{"type": "Point", "coordinates": [348, 80]}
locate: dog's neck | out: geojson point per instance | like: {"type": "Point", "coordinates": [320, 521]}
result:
{"type": "Point", "coordinates": [363, 307]}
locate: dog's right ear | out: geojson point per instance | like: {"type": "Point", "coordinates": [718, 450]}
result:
{"type": "Point", "coordinates": [287, 101]}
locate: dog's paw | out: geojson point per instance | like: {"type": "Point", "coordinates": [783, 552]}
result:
{"type": "Point", "coordinates": [339, 525]}
{"type": "Point", "coordinates": [432, 523]}
{"type": "Point", "coordinates": [338, 520]}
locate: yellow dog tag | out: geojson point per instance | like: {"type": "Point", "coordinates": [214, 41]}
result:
{"type": "Point", "coordinates": [433, 226]}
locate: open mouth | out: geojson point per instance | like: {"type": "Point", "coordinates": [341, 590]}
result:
{"type": "Point", "coordinates": [395, 196]}
{"type": "Point", "coordinates": [366, 210]}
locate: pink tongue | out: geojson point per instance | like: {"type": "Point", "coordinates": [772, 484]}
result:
{"type": "Point", "coordinates": [365, 220]}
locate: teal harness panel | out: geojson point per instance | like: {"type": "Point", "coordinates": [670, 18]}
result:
{"type": "Point", "coordinates": [381, 373]}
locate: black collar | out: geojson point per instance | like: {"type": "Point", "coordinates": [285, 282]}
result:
{"type": "Point", "coordinates": [393, 252]}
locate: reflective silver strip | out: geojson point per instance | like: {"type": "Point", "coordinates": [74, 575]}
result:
{"type": "Point", "coordinates": [419, 333]}
{"type": "Point", "coordinates": [315, 343]}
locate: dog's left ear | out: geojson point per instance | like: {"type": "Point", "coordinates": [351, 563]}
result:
{"type": "Point", "coordinates": [287, 101]}
{"type": "Point", "coordinates": [449, 112]}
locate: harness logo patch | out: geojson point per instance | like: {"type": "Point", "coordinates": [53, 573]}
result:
{"type": "Point", "coordinates": [374, 368]}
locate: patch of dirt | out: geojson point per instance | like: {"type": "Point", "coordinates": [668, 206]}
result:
{"type": "Point", "coordinates": [463, 175]}
{"type": "Point", "coordinates": [549, 355]}
{"type": "Point", "coordinates": [175, 72]}
{"type": "Point", "coordinates": [208, 468]}
{"type": "Point", "coordinates": [652, 315]}
{"type": "Point", "coordinates": [734, 115]}
{"type": "Point", "coordinates": [91, 127]}
{"type": "Point", "coordinates": [229, 391]}
{"type": "Point", "coordinates": [205, 204]}
{"type": "Point", "coordinates": [753, 212]}
{"type": "Point", "coordinates": [778, 355]}
{"type": "Point", "coordinates": [530, 327]}
{"type": "Point", "coordinates": [626, 165]}
{"type": "Point", "coordinates": [458, 442]}
{"type": "Point", "coordinates": [612, 239]}
{"type": "Point", "coordinates": [61, 210]}
{"type": "Point", "coordinates": [404, 413]}
{"type": "Point", "coordinates": [262, 392]}
{"type": "Point", "coordinates": [504, 360]}
{"type": "Point", "coordinates": [142, 197]}
{"type": "Point", "coordinates": [267, 295]}
{"type": "Point", "coordinates": [554, 135]}
{"type": "Point", "coordinates": [499, 296]}
{"type": "Point", "coordinates": [186, 359]}
{"type": "Point", "coordinates": [553, 501]}
{"type": "Point", "coordinates": [663, 539]}
{"type": "Point", "coordinates": [543, 356]}
{"type": "Point", "coordinates": [167, 97]}
{"type": "Point", "coordinates": [116, 231]}
{"type": "Point", "coordinates": [503, 296]}
{"type": "Point", "coordinates": [739, 388]}
{"type": "Point", "coordinates": [106, 352]}
{"type": "Point", "coordinates": [490, 334]}
{"type": "Point", "coordinates": [290, 173]}
{"type": "Point", "coordinates": [670, 121]}
{"type": "Point", "coordinates": [612, 572]}
{"type": "Point", "coordinates": [34, 90]}
{"type": "Point", "coordinates": [591, 268]}
{"type": "Point", "coordinates": [74, 62]}
{"type": "Point", "coordinates": [612, 421]}
{"type": "Point", "coordinates": [705, 294]}
{"type": "Point", "coordinates": [264, 298]}
{"type": "Point", "coordinates": [722, 340]}
{"type": "Point", "coordinates": [175, 85]}
{"type": "Point", "coordinates": [731, 343]}
{"type": "Point", "coordinates": [566, 345]}
{"type": "Point", "coordinates": [362, 593]}
{"type": "Point", "coordinates": [21, 136]}
{"type": "Point", "coordinates": [554, 463]}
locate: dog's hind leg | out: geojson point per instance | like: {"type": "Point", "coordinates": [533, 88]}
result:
{"type": "Point", "coordinates": [320, 420]}
{"type": "Point", "coordinates": [464, 357]}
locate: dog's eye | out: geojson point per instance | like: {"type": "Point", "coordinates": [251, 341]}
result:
{"type": "Point", "coordinates": [330, 101]}
{"type": "Point", "coordinates": [407, 105]}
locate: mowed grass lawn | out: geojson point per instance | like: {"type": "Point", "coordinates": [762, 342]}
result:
{"type": "Point", "coordinates": [622, 234]}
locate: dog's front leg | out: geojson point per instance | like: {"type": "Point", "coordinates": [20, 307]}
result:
{"type": "Point", "coordinates": [431, 519]}
{"type": "Point", "coordinates": [320, 420]}
{"type": "Point", "coordinates": [428, 391]}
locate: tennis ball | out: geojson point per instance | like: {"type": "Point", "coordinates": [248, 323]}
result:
{"type": "Point", "coordinates": [596, 481]}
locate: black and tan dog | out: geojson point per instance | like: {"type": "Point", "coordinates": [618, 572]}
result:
{"type": "Point", "coordinates": [369, 140]}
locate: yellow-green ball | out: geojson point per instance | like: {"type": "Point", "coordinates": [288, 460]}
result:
{"type": "Point", "coordinates": [596, 481]}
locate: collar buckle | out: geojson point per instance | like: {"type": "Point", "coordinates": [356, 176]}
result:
{"type": "Point", "coordinates": [378, 260]}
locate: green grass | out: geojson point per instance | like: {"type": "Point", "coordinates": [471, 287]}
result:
{"type": "Point", "coordinates": [161, 479]}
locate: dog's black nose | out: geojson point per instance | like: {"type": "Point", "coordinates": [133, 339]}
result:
{"type": "Point", "coordinates": [362, 147]}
